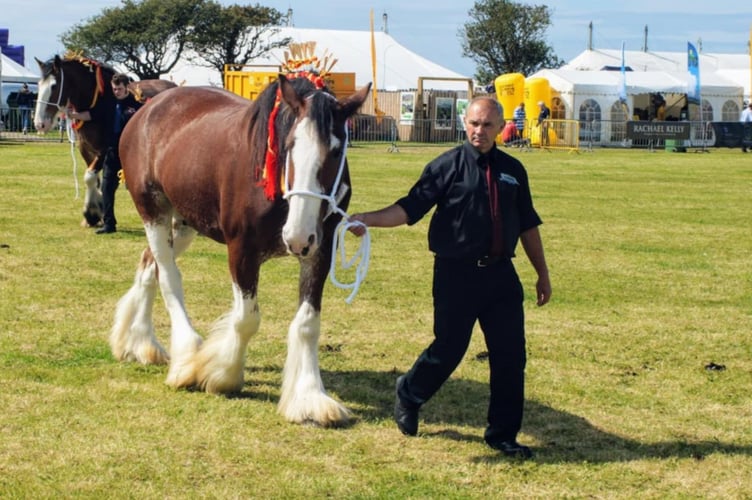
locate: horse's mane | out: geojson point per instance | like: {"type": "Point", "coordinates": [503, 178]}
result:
{"type": "Point", "coordinates": [87, 61]}
{"type": "Point", "coordinates": [262, 110]}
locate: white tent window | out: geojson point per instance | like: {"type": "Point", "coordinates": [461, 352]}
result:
{"type": "Point", "coordinates": [558, 109]}
{"type": "Point", "coordinates": [730, 111]}
{"type": "Point", "coordinates": [590, 121]}
{"type": "Point", "coordinates": [618, 119]}
{"type": "Point", "coordinates": [707, 112]}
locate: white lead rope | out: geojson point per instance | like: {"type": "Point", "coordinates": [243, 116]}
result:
{"type": "Point", "coordinates": [68, 129]}
{"type": "Point", "coordinates": [362, 256]}
{"type": "Point", "coordinates": [72, 139]}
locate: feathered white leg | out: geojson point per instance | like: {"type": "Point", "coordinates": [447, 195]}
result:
{"type": "Point", "coordinates": [220, 361]}
{"type": "Point", "coordinates": [184, 341]}
{"type": "Point", "coordinates": [92, 199]}
{"type": "Point", "coordinates": [132, 336]}
{"type": "Point", "coordinates": [303, 397]}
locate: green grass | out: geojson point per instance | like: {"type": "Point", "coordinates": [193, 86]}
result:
{"type": "Point", "coordinates": [649, 256]}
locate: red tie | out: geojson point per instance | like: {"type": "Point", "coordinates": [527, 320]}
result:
{"type": "Point", "coordinates": [497, 248]}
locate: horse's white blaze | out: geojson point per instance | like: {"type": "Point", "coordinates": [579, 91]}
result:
{"type": "Point", "coordinates": [303, 397]}
{"type": "Point", "coordinates": [42, 121]}
{"type": "Point", "coordinates": [184, 341]}
{"type": "Point", "coordinates": [301, 230]}
{"type": "Point", "coordinates": [220, 360]}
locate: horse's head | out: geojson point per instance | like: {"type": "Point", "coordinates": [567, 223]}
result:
{"type": "Point", "coordinates": [48, 97]}
{"type": "Point", "coordinates": [75, 81]}
{"type": "Point", "coordinates": [316, 161]}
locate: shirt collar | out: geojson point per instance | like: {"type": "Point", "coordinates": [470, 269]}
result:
{"type": "Point", "coordinates": [479, 159]}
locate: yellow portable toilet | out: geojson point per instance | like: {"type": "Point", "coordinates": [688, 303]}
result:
{"type": "Point", "coordinates": [536, 90]}
{"type": "Point", "coordinates": [510, 89]}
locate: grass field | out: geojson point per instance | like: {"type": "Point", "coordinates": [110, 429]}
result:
{"type": "Point", "coordinates": [650, 262]}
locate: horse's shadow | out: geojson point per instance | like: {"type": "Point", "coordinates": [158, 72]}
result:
{"type": "Point", "coordinates": [564, 437]}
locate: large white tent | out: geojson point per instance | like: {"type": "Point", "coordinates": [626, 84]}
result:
{"type": "Point", "coordinates": [735, 68]}
{"type": "Point", "coordinates": [594, 77]}
{"type": "Point", "coordinates": [397, 68]}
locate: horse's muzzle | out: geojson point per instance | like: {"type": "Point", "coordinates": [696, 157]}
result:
{"type": "Point", "coordinates": [301, 247]}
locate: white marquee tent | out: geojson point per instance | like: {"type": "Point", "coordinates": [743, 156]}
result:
{"type": "Point", "coordinates": [11, 75]}
{"type": "Point", "coordinates": [585, 79]}
{"type": "Point", "coordinates": [735, 68]}
{"type": "Point", "coordinates": [397, 68]}
{"type": "Point", "coordinates": [11, 71]}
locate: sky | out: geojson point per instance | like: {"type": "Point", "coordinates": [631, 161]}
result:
{"type": "Point", "coordinates": [430, 28]}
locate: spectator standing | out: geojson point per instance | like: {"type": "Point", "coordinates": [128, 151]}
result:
{"type": "Point", "coordinates": [543, 117]}
{"type": "Point", "coordinates": [519, 120]}
{"type": "Point", "coordinates": [25, 100]}
{"type": "Point", "coordinates": [746, 119]}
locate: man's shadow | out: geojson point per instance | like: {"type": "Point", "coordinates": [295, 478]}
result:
{"type": "Point", "coordinates": [564, 437]}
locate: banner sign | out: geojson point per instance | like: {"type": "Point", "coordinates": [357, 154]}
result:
{"type": "Point", "coordinates": [623, 78]}
{"type": "Point", "coordinates": [693, 67]}
{"type": "Point", "coordinates": [658, 130]}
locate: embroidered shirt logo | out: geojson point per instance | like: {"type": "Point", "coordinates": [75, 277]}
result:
{"type": "Point", "coordinates": [508, 179]}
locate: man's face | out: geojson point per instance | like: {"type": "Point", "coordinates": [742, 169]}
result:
{"type": "Point", "coordinates": [120, 91]}
{"type": "Point", "coordinates": [482, 125]}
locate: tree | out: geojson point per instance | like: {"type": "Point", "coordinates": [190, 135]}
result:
{"type": "Point", "coordinates": [147, 37]}
{"type": "Point", "coordinates": [507, 37]}
{"type": "Point", "coordinates": [235, 35]}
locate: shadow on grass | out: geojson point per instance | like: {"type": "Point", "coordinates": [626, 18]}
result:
{"type": "Point", "coordinates": [564, 437]}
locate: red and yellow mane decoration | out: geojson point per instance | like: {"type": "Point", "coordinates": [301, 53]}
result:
{"type": "Point", "coordinates": [96, 68]}
{"type": "Point", "coordinates": [300, 62]}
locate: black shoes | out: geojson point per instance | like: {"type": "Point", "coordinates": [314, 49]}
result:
{"type": "Point", "coordinates": [406, 417]}
{"type": "Point", "coordinates": [512, 449]}
{"type": "Point", "coordinates": [105, 230]}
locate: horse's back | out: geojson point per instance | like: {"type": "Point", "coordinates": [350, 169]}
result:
{"type": "Point", "coordinates": [195, 112]}
{"type": "Point", "coordinates": [185, 143]}
{"type": "Point", "coordinates": [147, 89]}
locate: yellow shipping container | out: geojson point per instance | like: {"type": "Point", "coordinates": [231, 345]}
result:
{"type": "Point", "coordinates": [249, 83]}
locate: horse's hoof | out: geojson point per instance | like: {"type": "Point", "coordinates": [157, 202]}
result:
{"type": "Point", "coordinates": [91, 220]}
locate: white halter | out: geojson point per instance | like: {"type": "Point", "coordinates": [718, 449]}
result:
{"type": "Point", "coordinates": [362, 255]}
{"type": "Point", "coordinates": [59, 94]}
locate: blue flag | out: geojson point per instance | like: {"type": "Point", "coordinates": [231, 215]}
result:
{"type": "Point", "coordinates": [693, 66]}
{"type": "Point", "coordinates": [623, 81]}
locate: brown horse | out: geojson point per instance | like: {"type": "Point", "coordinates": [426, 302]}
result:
{"type": "Point", "coordinates": [253, 176]}
{"type": "Point", "coordinates": [82, 84]}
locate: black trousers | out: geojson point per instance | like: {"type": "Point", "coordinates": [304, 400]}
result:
{"type": "Point", "coordinates": [464, 293]}
{"type": "Point", "coordinates": [110, 182]}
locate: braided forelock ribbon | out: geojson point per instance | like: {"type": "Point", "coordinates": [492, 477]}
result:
{"type": "Point", "coordinates": [272, 189]}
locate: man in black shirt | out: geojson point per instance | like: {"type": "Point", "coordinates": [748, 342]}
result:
{"type": "Point", "coordinates": [473, 240]}
{"type": "Point", "coordinates": [113, 117]}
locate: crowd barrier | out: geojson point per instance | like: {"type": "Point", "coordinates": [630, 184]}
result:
{"type": "Point", "coordinates": [559, 134]}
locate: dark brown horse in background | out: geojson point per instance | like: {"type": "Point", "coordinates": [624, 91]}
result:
{"type": "Point", "coordinates": [255, 177]}
{"type": "Point", "coordinates": [82, 84]}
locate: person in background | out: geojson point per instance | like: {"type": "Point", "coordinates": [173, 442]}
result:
{"type": "Point", "coordinates": [483, 207]}
{"type": "Point", "coordinates": [113, 118]}
{"type": "Point", "coordinates": [543, 117]}
{"type": "Point", "coordinates": [746, 119]}
{"type": "Point", "coordinates": [25, 101]}
{"type": "Point", "coordinates": [519, 121]}
{"type": "Point", "coordinates": [660, 113]}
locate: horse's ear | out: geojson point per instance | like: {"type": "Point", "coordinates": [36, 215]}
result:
{"type": "Point", "coordinates": [289, 95]}
{"type": "Point", "coordinates": [57, 63]}
{"type": "Point", "coordinates": [351, 104]}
